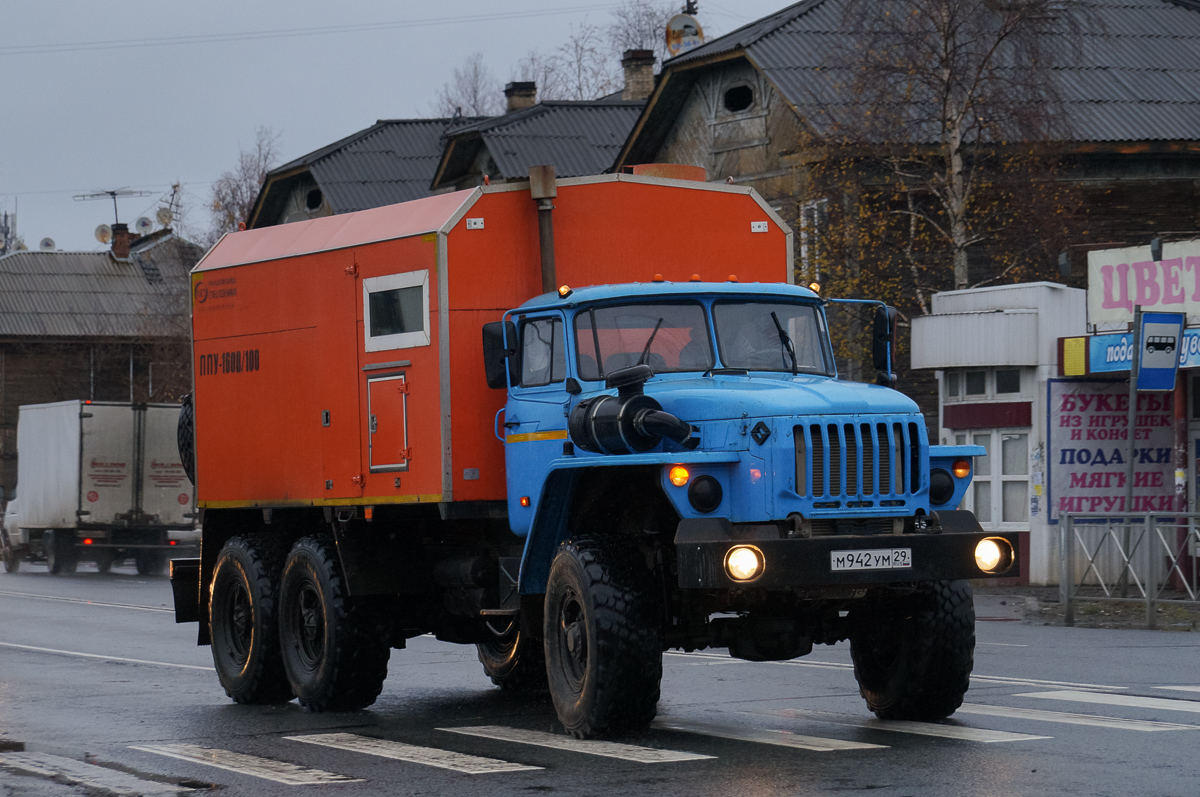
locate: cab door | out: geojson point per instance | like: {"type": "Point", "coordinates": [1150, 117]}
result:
{"type": "Point", "coordinates": [535, 417]}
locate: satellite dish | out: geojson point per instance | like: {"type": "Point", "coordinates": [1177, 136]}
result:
{"type": "Point", "coordinates": [104, 233]}
{"type": "Point", "coordinates": [164, 216]}
{"type": "Point", "coordinates": [143, 225]}
{"type": "Point", "coordinates": [46, 245]}
{"type": "Point", "coordinates": [683, 33]}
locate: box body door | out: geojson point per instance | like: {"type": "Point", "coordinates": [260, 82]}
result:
{"type": "Point", "coordinates": [387, 407]}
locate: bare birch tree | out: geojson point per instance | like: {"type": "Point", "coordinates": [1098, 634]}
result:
{"type": "Point", "coordinates": [235, 191]}
{"type": "Point", "coordinates": [472, 91]}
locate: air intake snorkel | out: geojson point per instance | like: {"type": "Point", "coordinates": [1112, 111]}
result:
{"type": "Point", "coordinates": [627, 422]}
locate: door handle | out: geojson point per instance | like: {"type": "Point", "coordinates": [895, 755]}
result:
{"type": "Point", "coordinates": [374, 425]}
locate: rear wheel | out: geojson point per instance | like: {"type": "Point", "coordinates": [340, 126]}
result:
{"type": "Point", "coordinates": [916, 664]}
{"type": "Point", "coordinates": [59, 546]}
{"type": "Point", "coordinates": [150, 563]}
{"type": "Point", "coordinates": [12, 561]}
{"type": "Point", "coordinates": [243, 627]}
{"type": "Point", "coordinates": [104, 559]}
{"type": "Point", "coordinates": [512, 660]}
{"type": "Point", "coordinates": [602, 642]}
{"type": "Point", "coordinates": [335, 649]}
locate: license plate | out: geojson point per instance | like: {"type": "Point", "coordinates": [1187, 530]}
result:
{"type": "Point", "coordinates": [880, 559]}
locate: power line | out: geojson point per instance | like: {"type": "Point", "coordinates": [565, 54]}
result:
{"type": "Point", "coordinates": [284, 33]}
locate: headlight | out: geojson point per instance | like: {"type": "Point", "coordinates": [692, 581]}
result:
{"type": "Point", "coordinates": [705, 493]}
{"type": "Point", "coordinates": [744, 563]}
{"type": "Point", "coordinates": [941, 487]}
{"type": "Point", "coordinates": [994, 555]}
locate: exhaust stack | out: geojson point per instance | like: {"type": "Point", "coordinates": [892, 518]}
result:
{"type": "Point", "coordinates": [543, 189]}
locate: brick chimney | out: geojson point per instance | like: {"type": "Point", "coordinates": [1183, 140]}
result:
{"type": "Point", "coordinates": [520, 94]}
{"type": "Point", "coordinates": [639, 74]}
{"type": "Point", "coordinates": [121, 237]}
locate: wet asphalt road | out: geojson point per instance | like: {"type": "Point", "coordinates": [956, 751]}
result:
{"type": "Point", "coordinates": [92, 666]}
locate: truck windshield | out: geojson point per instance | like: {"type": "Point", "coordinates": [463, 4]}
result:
{"type": "Point", "coordinates": [771, 336]}
{"type": "Point", "coordinates": [667, 337]}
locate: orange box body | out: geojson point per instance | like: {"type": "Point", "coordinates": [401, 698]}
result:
{"type": "Point", "coordinates": [292, 408]}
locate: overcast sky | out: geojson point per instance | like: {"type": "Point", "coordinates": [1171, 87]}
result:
{"type": "Point", "coordinates": [141, 94]}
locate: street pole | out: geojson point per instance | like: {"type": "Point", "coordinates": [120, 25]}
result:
{"type": "Point", "coordinates": [1135, 345]}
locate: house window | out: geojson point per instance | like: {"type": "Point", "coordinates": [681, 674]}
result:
{"type": "Point", "coordinates": [1008, 380]}
{"type": "Point", "coordinates": [952, 384]}
{"type": "Point", "coordinates": [396, 311]}
{"type": "Point", "coordinates": [738, 98]}
{"type": "Point", "coordinates": [976, 382]}
{"type": "Point", "coordinates": [999, 494]}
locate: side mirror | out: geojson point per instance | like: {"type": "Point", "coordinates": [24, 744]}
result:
{"type": "Point", "coordinates": [495, 353]}
{"type": "Point", "coordinates": [883, 343]}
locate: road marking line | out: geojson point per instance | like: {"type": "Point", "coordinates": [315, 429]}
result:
{"type": "Point", "coordinates": [109, 781]}
{"type": "Point", "coordinates": [431, 756]}
{"type": "Point", "coordinates": [1002, 644]}
{"type": "Point", "coordinates": [820, 744]}
{"type": "Point", "coordinates": [1132, 701]}
{"type": "Point", "coordinates": [86, 601]}
{"type": "Point", "coordinates": [1072, 719]}
{"type": "Point", "coordinates": [58, 652]}
{"type": "Point", "coordinates": [625, 752]}
{"type": "Point", "coordinates": [266, 768]}
{"type": "Point", "coordinates": [835, 665]}
{"type": "Point", "coordinates": [1180, 688]}
{"type": "Point", "coordinates": [919, 728]}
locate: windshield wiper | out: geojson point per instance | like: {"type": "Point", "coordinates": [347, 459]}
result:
{"type": "Point", "coordinates": [646, 351]}
{"type": "Point", "coordinates": [783, 339]}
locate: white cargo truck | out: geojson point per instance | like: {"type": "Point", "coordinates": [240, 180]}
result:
{"type": "Point", "coordinates": [99, 481]}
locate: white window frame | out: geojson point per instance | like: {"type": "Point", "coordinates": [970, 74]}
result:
{"type": "Point", "coordinates": [996, 477]}
{"type": "Point", "coordinates": [391, 282]}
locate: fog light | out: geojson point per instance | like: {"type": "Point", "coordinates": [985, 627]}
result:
{"type": "Point", "coordinates": [744, 563]}
{"type": "Point", "coordinates": [994, 555]}
{"type": "Point", "coordinates": [941, 487]}
{"type": "Point", "coordinates": [705, 494]}
{"type": "Point", "coordinates": [679, 475]}
{"type": "Point", "coordinates": [962, 468]}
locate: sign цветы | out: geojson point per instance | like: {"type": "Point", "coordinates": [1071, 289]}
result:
{"type": "Point", "coordinates": [1118, 279]}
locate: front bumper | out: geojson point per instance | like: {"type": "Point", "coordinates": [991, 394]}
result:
{"type": "Point", "coordinates": [803, 563]}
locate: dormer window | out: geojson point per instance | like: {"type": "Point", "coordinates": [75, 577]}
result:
{"type": "Point", "coordinates": [738, 98]}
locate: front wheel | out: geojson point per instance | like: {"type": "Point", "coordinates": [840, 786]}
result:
{"type": "Point", "coordinates": [602, 643]}
{"type": "Point", "coordinates": [245, 635]}
{"type": "Point", "coordinates": [334, 650]}
{"type": "Point", "coordinates": [513, 661]}
{"type": "Point", "coordinates": [914, 662]}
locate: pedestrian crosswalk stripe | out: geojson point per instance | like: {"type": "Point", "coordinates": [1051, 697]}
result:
{"type": "Point", "coordinates": [1180, 688]}
{"type": "Point", "coordinates": [1072, 719]}
{"type": "Point", "coordinates": [78, 773]}
{"type": "Point", "coordinates": [960, 732]}
{"type": "Point", "coordinates": [269, 769]}
{"type": "Point", "coordinates": [431, 756]}
{"type": "Point", "coordinates": [975, 677]}
{"type": "Point", "coordinates": [1131, 701]}
{"type": "Point", "coordinates": [763, 736]}
{"type": "Point", "coordinates": [625, 752]}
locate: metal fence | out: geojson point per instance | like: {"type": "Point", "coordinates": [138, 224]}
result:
{"type": "Point", "coordinates": [1128, 558]}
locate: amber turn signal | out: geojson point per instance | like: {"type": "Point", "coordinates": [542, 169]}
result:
{"type": "Point", "coordinates": [679, 475]}
{"type": "Point", "coordinates": [962, 468]}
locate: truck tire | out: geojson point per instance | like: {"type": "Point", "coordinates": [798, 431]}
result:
{"type": "Point", "coordinates": [59, 547]}
{"type": "Point", "coordinates": [149, 563]}
{"type": "Point", "coordinates": [916, 665]}
{"type": "Point", "coordinates": [513, 661]}
{"type": "Point", "coordinates": [335, 650]}
{"type": "Point", "coordinates": [105, 559]}
{"type": "Point", "coordinates": [243, 626]}
{"type": "Point", "coordinates": [602, 642]}
{"type": "Point", "coordinates": [12, 560]}
{"type": "Point", "coordinates": [185, 436]}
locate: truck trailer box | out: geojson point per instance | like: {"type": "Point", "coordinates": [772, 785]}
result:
{"type": "Point", "coordinates": [342, 356]}
{"type": "Point", "coordinates": [97, 464]}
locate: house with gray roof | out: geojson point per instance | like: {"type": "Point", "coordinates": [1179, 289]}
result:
{"type": "Point", "coordinates": [391, 161]}
{"type": "Point", "coordinates": [741, 105]}
{"type": "Point", "coordinates": [110, 325]}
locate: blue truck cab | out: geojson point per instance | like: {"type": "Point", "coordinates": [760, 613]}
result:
{"type": "Point", "coordinates": [687, 471]}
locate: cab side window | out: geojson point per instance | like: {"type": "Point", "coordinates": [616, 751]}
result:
{"type": "Point", "coordinates": [543, 352]}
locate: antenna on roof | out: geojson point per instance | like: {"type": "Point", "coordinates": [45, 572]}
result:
{"type": "Point", "coordinates": [122, 192]}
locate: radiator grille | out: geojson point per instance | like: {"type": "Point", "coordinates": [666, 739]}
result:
{"type": "Point", "coordinates": [857, 460]}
